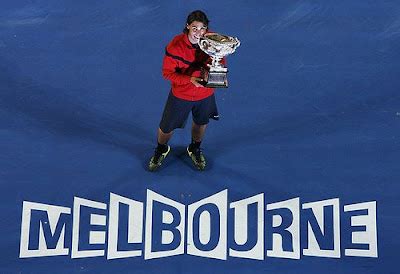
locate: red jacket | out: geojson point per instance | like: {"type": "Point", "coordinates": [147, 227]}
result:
{"type": "Point", "coordinates": [182, 61]}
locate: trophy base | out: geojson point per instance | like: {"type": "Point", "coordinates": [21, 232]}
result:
{"type": "Point", "coordinates": [215, 79]}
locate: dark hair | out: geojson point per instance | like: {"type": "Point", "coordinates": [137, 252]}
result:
{"type": "Point", "coordinates": [198, 16]}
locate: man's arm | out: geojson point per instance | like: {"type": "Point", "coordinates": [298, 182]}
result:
{"type": "Point", "coordinates": [169, 71]}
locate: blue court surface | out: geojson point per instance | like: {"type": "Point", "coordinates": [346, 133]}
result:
{"type": "Point", "coordinates": [303, 167]}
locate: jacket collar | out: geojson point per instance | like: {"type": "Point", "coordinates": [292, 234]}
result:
{"type": "Point", "coordinates": [187, 41]}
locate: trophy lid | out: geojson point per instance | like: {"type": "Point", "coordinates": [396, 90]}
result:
{"type": "Point", "coordinates": [220, 38]}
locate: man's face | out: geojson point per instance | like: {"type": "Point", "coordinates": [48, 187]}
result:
{"type": "Point", "coordinates": [196, 30]}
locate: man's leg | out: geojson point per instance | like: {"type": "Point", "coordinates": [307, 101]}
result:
{"type": "Point", "coordinates": [193, 149]}
{"type": "Point", "coordinates": [163, 138]}
{"type": "Point", "coordinates": [174, 116]}
{"type": "Point", "coordinates": [198, 132]}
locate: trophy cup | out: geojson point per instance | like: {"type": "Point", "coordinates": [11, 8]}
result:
{"type": "Point", "coordinates": [217, 46]}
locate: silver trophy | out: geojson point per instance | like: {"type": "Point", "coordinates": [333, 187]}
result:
{"type": "Point", "coordinates": [217, 46]}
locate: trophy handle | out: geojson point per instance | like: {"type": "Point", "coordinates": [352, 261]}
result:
{"type": "Point", "coordinates": [204, 44]}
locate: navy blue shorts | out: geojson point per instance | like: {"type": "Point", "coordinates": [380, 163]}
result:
{"type": "Point", "coordinates": [177, 110]}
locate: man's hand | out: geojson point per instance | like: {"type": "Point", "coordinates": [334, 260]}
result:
{"type": "Point", "coordinates": [195, 81]}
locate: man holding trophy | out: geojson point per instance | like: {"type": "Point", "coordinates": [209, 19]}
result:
{"type": "Point", "coordinates": [193, 75]}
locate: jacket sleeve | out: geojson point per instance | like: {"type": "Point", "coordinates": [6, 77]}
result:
{"type": "Point", "coordinates": [170, 71]}
{"type": "Point", "coordinates": [223, 61]}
